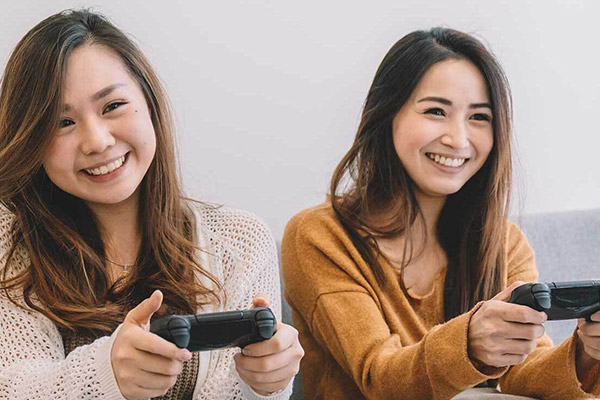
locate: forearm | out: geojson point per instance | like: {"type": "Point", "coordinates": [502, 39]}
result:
{"type": "Point", "coordinates": [549, 373]}
{"type": "Point", "coordinates": [436, 367]}
{"type": "Point", "coordinates": [84, 374]}
{"type": "Point", "coordinates": [588, 370]}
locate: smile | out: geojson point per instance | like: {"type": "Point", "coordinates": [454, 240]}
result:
{"type": "Point", "coordinates": [108, 168]}
{"type": "Point", "coordinates": [446, 161]}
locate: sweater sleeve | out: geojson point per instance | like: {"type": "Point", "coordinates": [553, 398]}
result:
{"type": "Point", "coordinates": [33, 366]}
{"type": "Point", "coordinates": [344, 316]}
{"type": "Point", "coordinates": [549, 372]}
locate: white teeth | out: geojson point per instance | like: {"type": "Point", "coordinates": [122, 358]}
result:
{"type": "Point", "coordinates": [448, 162]}
{"type": "Point", "coordinates": [110, 167]}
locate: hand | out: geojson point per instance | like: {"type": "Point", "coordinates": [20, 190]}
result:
{"type": "Point", "coordinates": [270, 365]}
{"type": "Point", "coordinates": [503, 334]}
{"type": "Point", "coordinates": [588, 346]}
{"type": "Point", "coordinates": [145, 365]}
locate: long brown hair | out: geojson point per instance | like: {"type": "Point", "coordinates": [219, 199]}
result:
{"type": "Point", "coordinates": [371, 180]}
{"type": "Point", "coordinates": [67, 280]}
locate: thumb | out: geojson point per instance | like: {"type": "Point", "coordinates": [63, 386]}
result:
{"type": "Point", "coordinates": [141, 314]}
{"type": "Point", "coordinates": [261, 300]}
{"type": "Point", "coordinates": [505, 294]}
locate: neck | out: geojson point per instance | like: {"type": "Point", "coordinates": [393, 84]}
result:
{"type": "Point", "coordinates": [119, 228]}
{"type": "Point", "coordinates": [431, 208]}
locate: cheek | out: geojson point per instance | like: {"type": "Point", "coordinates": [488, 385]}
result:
{"type": "Point", "coordinates": [410, 136]}
{"type": "Point", "coordinates": [484, 144]}
{"type": "Point", "coordinates": [58, 158]}
{"type": "Point", "coordinates": [141, 123]}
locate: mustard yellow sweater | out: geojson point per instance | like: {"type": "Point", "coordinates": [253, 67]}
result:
{"type": "Point", "coordinates": [364, 342]}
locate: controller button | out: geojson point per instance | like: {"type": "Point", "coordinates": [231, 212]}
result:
{"type": "Point", "coordinates": [539, 288]}
{"type": "Point", "coordinates": [178, 323]}
{"type": "Point", "coordinates": [265, 329]}
{"type": "Point", "coordinates": [264, 315]}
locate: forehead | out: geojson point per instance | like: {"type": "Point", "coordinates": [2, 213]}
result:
{"type": "Point", "coordinates": [453, 79]}
{"type": "Point", "coordinates": [91, 68]}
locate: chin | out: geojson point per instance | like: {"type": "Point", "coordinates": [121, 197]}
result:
{"type": "Point", "coordinates": [441, 190]}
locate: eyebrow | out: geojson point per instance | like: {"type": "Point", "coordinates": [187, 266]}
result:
{"type": "Point", "coordinates": [101, 93]}
{"type": "Point", "coordinates": [449, 103]}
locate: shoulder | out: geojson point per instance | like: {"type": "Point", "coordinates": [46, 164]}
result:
{"type": "Point", "coordinates": [520, 258]}
{"type": "Point", "coordinates": [238, 230]}
{"type": "Point", "coordinates": [318, 222]}
{"type": "Point", "coordinates": [515, 240]}
{"type": "Point", "coordinates": [231, 223]}
{"type": "Point", "coordinates": [6, 222]}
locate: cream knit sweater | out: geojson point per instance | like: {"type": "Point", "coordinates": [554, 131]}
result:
{"type": "Point", "coordinates": [33, 366]}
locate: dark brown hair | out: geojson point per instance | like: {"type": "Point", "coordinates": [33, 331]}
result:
{"type": "Point", "coordinates": [370, 179]}
{"type": "Point", "coordinates": [68, 276]}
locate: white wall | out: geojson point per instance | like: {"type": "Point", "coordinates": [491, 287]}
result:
{"type": "Point", "coordinates": [268, 94]}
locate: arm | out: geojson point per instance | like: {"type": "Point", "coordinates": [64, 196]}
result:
{"type": "Point", "coordinates": [33, 366]}
{"type": "Point", "coordinates": [549, 372]}
{"type": "Point", "coordinates": [327, 286]}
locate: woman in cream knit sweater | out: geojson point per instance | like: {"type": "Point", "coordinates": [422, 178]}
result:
{"type": "Point", "coordinates": [96, 238]}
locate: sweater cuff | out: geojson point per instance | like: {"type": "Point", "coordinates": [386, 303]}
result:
{"type": "Point", "coordinates": [446, 349]}
{"type": "Point", "coordinates": [249, 394]}
{"type": "Point", "coordinates": [106, 375]}
{"type": "Point", "coordinates": [591, 382]}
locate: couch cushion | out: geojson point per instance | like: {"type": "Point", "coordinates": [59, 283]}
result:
{"type": "Point", "coordinates": [567, 248]}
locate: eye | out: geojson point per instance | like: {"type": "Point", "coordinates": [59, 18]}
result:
{"type": "Point", "coordinates": [481, 117]}
{"type": "Point", "coordinates": [435, 111]}
{"type": "Point", "coordinates": [113, 106]}
{"type": "Point", "coordinates": [65, 122]}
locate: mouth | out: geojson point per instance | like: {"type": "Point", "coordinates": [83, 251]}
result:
{"type": "Point", "coordinates": [447, 161]}
{"type": "Point", "coordinates": [108, 168]}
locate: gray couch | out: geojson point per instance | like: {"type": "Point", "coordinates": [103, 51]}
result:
{"type": "Point", "coordinates": [567, 248]}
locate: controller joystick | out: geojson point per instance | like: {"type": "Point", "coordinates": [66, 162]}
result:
{"type": "Point", "coordinates": [560, 300]}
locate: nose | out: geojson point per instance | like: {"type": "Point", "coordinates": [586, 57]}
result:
{"type": "Point", "coordinates": [95, 137]}
{"type": "Point", "coordinates": [456, 135]}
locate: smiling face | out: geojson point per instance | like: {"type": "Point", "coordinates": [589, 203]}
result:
{"type": "Point", "coordinates": [105, 141]}
{"type": "Point", "coordinates": [443, 134]}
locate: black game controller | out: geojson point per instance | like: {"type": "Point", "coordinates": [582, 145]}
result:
{"type": "Point", "coordinates": [560, 300]}
{"type": "Point", "coordinates": [219, 330]}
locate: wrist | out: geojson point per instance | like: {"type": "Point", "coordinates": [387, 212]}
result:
{"type": "Point", "coordinates": [584, 363]}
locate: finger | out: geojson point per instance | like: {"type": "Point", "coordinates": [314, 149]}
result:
{"type": "Point", "coordinates": [595, 317]}
{"type": "Point", "coordinates": [281, 340]}
{"type": "Point", "coordinates": [519, 346]}
{"type": "Point", "coordinates": [255, 378]}
{"type": "Point", "coordinates": [591, 329]}
{"type": "Point", "coordinates": [505, 294]}
{"type": "Point", "coordinates": [506, 360]}
{"type": "Point", "coordinates": [262, 378]}
{"type": "Point", "coordinates": [268, 363]}
{"type": "Point", "coordinates": [152, 343]}
{"type": "Point", "coordinates": [532, 332]}
{"type": "Point", "coordinates": [141, 314]}
{"type": "Point", "coordinates": [519, 313]}
{"type": "Point", "coordinates": [590, 345]}
{"type": "Point", "coordinates": [261, 300]}
{"type": "Point", "coordinates": [156, 364]}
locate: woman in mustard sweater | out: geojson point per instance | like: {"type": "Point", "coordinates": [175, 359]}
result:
{"type": "Point", "coordinates": [398, 284]}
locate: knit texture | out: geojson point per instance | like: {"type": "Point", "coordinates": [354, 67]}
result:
{"type": "Point", "coordinates": [364, 341]}
{"type": "Point", "coordinates": [183, 389]}
{"type": "Point", "coordinates": [241, 253]}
